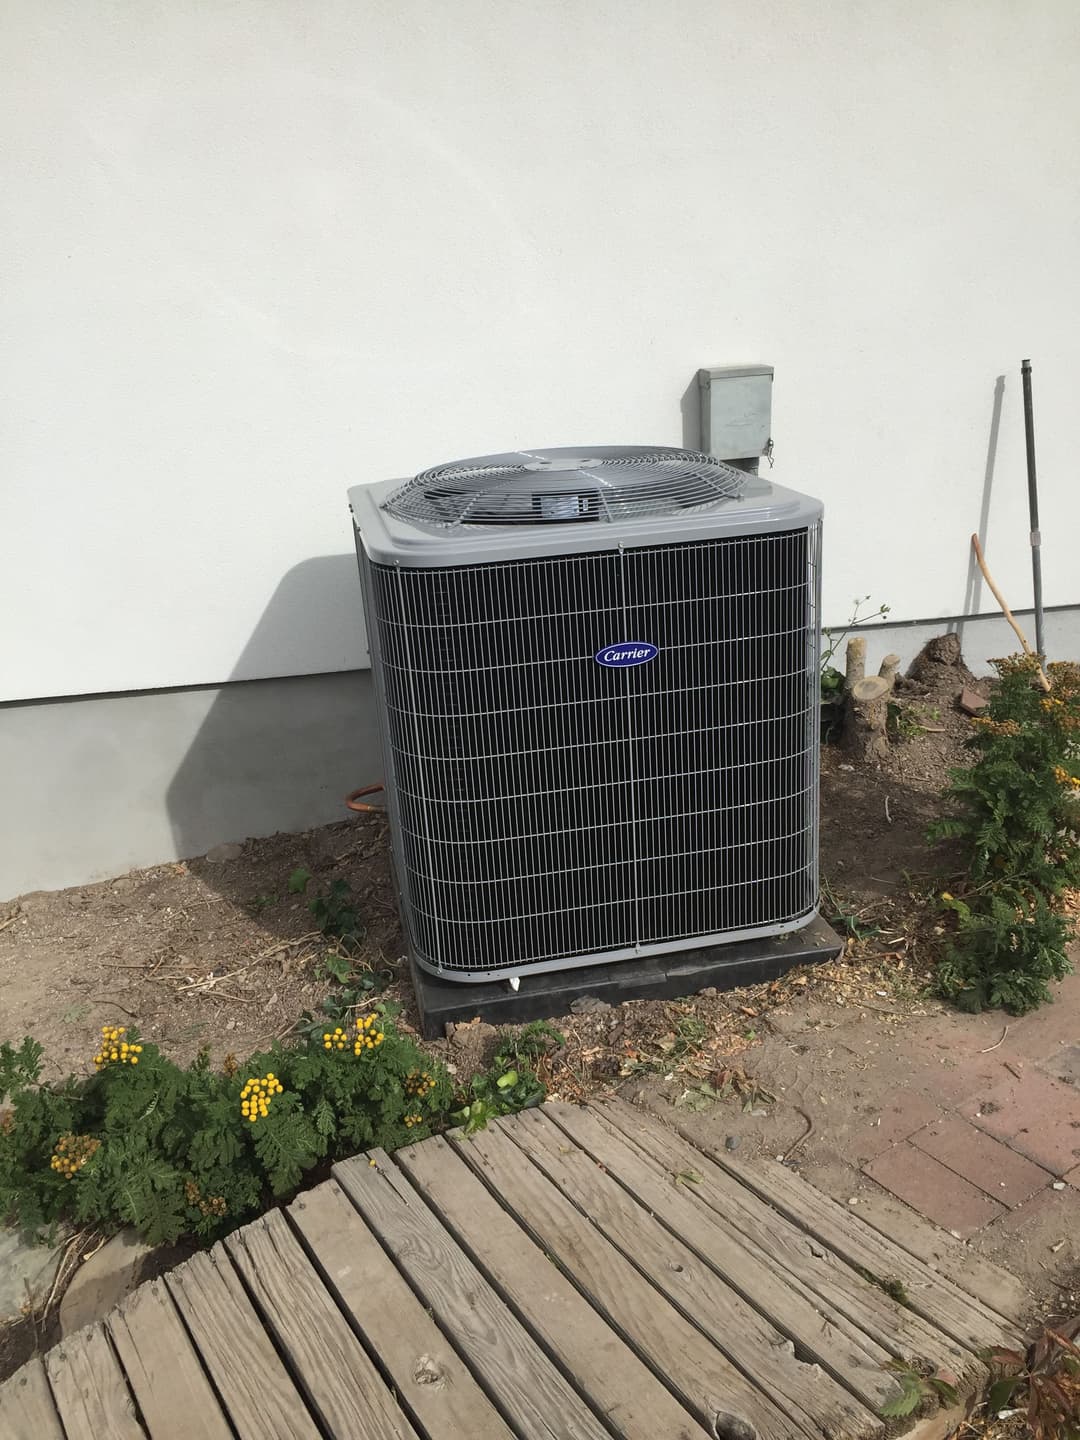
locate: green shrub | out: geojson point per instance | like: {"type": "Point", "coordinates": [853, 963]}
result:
{"type": "Point", "coordinates": [511, 1082]}
{"type": "Point", "coordinates": [168, 1150]}
{"type": "Point", "coordinates": [1003, 953]}
{"type": "Point", "coordinates": [1015, 814]}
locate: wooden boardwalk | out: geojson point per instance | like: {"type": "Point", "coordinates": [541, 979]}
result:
{"type": "Point", "coordinates": [567, 1274]}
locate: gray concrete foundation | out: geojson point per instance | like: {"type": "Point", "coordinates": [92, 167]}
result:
{"type": "Point", "coordinates": [96, 786]}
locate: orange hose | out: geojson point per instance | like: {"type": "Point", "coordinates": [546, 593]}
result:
{"type": "Point", "coordinates": [353, 801]}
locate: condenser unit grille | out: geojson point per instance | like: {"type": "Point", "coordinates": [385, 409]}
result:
{"type": "Point", "coordinates": [549, 806]}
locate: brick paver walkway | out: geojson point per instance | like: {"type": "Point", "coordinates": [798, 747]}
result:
{"type": "Point", "coordinates": [987, 1130]}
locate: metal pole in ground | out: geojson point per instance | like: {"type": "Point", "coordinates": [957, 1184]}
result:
{"type": "Point", "coordinates": [1033, 509]}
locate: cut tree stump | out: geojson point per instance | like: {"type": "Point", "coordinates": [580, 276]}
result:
{"type": "Point", "coordinates": [855, 661]}
{"type": "Point", "coordinates": [866, 712]}
{"type": "Point", "coordinates": [888, 668]}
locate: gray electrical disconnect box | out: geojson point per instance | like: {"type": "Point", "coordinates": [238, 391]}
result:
{"type": "Point", "coordinates": [736, 411]}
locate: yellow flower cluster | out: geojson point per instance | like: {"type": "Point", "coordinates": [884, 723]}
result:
{"type": "Point", "coordinates": [411, 1120]}
{"type": "Point", "coordinates": [256, 1095]}
{"type": "Point", "coordinates": [211, 1205]}
{"type": "Point", "coordinates": [419, 1083]}
{"type": "Point", "coordinates": [368, 1036]}
{"type": "Point", "coordinates": [1017, 665]}
{"type": "Point", "coordinates": [997, 727]}
{"type": "Point", "coordinates": [115, 1048]}
{"type": "Point", "coordinates": [1064, 778]}
{"type": "Point", "coordinates": [1050, 704]}
{"type": "Point", "coordinates": [1065, 675]}
{"type": "Point", "coordinates": [72, 1153]}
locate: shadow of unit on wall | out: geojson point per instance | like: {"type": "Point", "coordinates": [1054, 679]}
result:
{"type": "Point", "coordinates": [273, 755]}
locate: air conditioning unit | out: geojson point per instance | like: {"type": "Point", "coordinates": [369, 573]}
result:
{"type": "Point", "coordinates": [597, 672]}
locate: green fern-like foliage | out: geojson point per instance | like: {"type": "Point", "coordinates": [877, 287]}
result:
{"type": "Point", "coordinates": [1014, 813]}
{"type": "Point", "coordinates": [171, 1150]}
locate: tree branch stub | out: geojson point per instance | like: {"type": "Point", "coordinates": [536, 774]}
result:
{"type": "Point", "coordinates": [855, 661]}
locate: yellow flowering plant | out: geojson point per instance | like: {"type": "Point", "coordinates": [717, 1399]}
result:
{"type": "Point", "coordinates": [174, 1150]}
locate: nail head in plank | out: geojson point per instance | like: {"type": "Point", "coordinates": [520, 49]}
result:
{"type": "Point", "coordinates": [852, 1303]}
{"type": "Point", "coordinates": [27, 1411]}
{"type": "Point", "coordinates": [89, 1388]}
{"type": "Point", "coordinates": [429, 1375]}
{"type": "Point", "coordinates": [254, 1386]}
{"type": "Point", "coordinates": [741, 1320]}
{"type": "Point", "coordinates": [537, 1401]}
{"type": "Point", "coordinates": [175, 1399]}
{"type": "Point", "coordinates": [931, 1295]}
{"type": "Point", "coordinates": [700, 1374]}
{"type": "Point", "coordinates": [620, 1384]}
{"type": "Point", "coordinates": [340, 1381]}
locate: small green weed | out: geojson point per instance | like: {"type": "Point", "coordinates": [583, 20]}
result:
{"type": "Point", "coordinates": [334, 910]}
{"type": "Point", "coordinates": [512, 1081]}
{"type": "Point", "coordinates": [352, 988]}
{"type": "Point", "coordinates": [848, 922]}
{"type": "Point", "coordinates": [915, 1389]}
{"type": "Point", "coordinates": [892, 1287]}
{"type": "Point", "coordinates": [901, 722]}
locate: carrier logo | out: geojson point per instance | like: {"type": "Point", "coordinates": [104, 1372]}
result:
{"type": "Point", "coordinates": [629, 652]}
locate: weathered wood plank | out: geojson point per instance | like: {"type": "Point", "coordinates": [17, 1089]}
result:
{"type": "Point", "coordinates": [633, 1401]}
{"type": "Point", "coordinates": [175, 1399]}
{"type": "Point", "coordinates": [27, 1411]}
{"type": "Point", "coordinates": [996, 1288]}
{"type": "Point", "coordinates": [534, 1397]}
{"type": "Point", "coordinates": [340, 1382]}
{"type": "Point", "coordinates": [89, 1388]}
{"type": "Point", "coordinates": [691, 1250]}
{"type": "Point", "coordinates": [703, 1377]}
{"type": "Point", "coordinates": [851, 1303]}
{"type": "Point", "coordinates": [931, 1295]}
{"type": "Point", "coordinates": [427, 1372]}
{"type": "Point", "coordinates": [254, 1385]}
{"type": "Point", "coordinates": [740, 1319]}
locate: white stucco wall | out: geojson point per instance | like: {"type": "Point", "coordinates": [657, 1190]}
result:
{"type": "Point", "coordinates": [258, 250]}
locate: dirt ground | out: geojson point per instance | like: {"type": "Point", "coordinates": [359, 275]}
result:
{"type": "Point", "coordinates": [216, 952]}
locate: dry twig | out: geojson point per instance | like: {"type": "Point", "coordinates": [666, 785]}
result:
{"type": "Point", "coordinates": [996, 1043]}
{"type": "Point", "coordinates": [1043, 681]}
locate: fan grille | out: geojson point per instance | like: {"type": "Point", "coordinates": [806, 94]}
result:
{"type": "Point", "coordinates": [546, 487]}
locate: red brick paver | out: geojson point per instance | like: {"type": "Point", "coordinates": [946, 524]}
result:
{"type": "Point", "coordinates": [1038, 1116]}
{"type": "Point", "coordinates": [982, 1160]}
{"type": "Point", "coordinates": [936, 1192]}
{"type": "Point", "coordinates": [896, 1122]}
